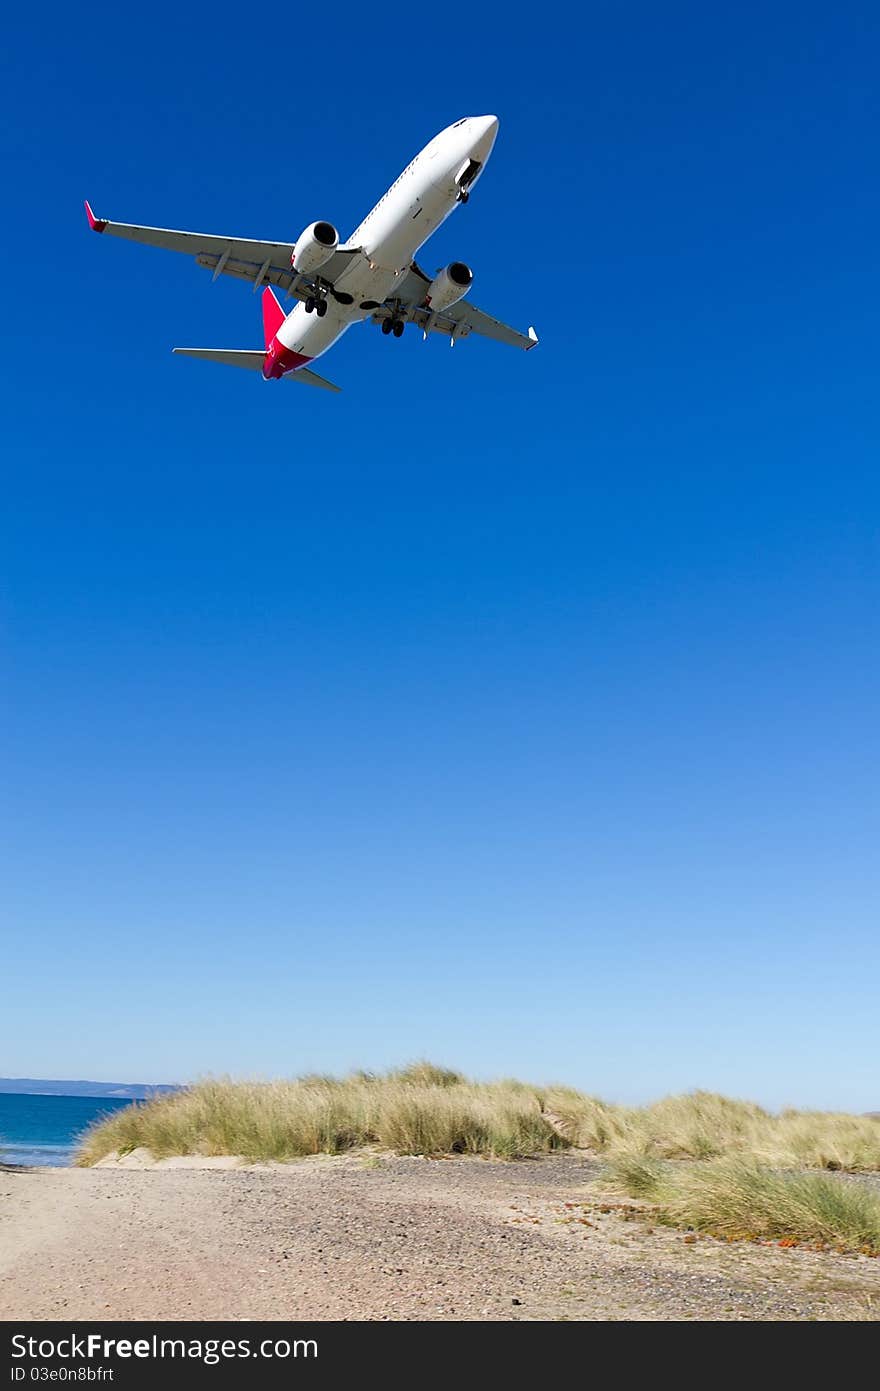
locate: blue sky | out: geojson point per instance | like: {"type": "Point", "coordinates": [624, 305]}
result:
{"type": "Point", "coordinates": [518, 711]}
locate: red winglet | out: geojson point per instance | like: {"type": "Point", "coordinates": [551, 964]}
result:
{"type": "Point", "coordinates": [96, 223]}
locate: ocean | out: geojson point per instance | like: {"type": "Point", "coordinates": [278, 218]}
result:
{"type": "Point", "coordinates": [42, 1130]}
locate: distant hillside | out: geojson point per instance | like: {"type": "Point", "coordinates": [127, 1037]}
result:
{"type": "Point", "coordinates": [122, 1091]}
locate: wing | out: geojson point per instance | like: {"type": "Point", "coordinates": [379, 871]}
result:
{"type": "Point", "coordinates": [253, 359]}
{"type": "Point", "coordinates": [261, 262]}
{"type": "Point", "coordinates": [458, 321]}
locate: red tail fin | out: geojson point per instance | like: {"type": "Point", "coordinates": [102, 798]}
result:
{"type": "Point", "coordinates": [273, 315]}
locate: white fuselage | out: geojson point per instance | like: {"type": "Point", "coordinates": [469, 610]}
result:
{"type": "Point", "coordinates": [417, 202]}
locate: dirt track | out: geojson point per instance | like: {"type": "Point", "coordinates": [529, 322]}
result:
{"type": "Point", "coordinates": [355, 1238]}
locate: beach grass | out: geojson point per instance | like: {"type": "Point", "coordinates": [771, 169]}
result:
{"type": "Point", "coordinates": [739, 1199]}
{"type": "Point", "coordinates": [426, 1109]}
{"type": "Point", "coordinates": [704, 1125]}
{"type": "Point", "coordinates": [417, 1110]}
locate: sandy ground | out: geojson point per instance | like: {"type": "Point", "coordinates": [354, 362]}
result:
{"type": "Point", "coordinates": [391, 1238]}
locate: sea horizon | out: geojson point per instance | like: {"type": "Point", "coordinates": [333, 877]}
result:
{"type": "Point", "coordinates": [41, 1130]}
{"type": "Point", "coordinates": [42, 1118]}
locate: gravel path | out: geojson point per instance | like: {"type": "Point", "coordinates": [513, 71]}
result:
{"type": "Point", "coordinates": [356, 1238]}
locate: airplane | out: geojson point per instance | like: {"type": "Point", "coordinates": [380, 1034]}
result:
{"type": "Point", "coordinates": [373, 275]}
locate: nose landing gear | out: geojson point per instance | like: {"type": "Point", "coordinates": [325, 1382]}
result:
{"type": "Point", "coordinates": [465, 178]}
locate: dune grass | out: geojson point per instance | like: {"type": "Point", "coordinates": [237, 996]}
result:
{"type": "Point", "coordinates": [737, 1198]}
{"type": "Point", "coordinates": [425, 1109]}
{"type": "Point", "coordinates": [416, 1110]}
{"type": "Point", "coordinates": [704, 1125]}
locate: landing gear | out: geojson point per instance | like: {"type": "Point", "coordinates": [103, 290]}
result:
{"type": "Point", "coordinates": [316, 305]}
{"type": "Point", "coordinates": [398, 328]}
{"type": "Point", "coordinates": [386, 325]}
{"type": "Point", "coordinates": [463, 196]}
{"type": "Point", "coordinates": [393, 325]}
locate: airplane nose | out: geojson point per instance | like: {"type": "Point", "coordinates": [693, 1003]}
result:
{"type": "Point", "coordinates": [485, 128]}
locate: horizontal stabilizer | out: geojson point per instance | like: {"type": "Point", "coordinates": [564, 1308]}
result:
{"type": "Point", "coordinates": [253, 358]}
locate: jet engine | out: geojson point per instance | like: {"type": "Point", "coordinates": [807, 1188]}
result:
{"type": "Point", "coordinates": [449, 286]}
{"type": "Point", "coordinates": [314, 248]}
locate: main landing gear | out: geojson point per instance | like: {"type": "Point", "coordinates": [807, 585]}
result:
{"type": "Point", "coordinates": [395, 326]}
{"type": "Point", "coordinates": [316, 305]}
